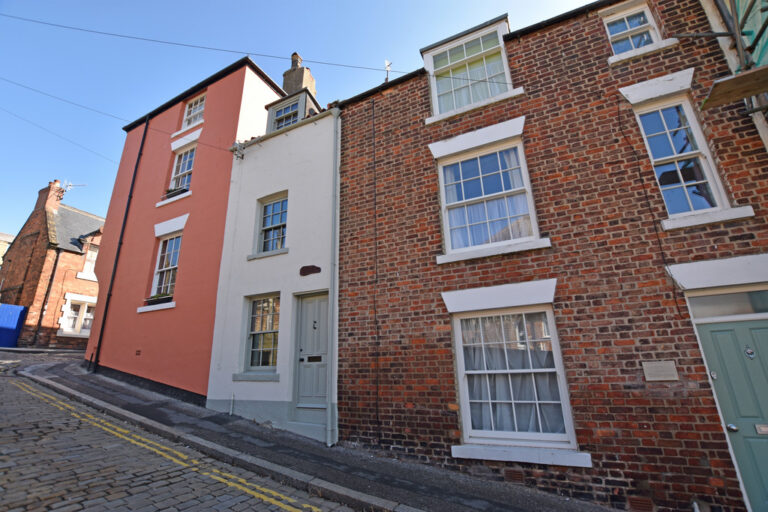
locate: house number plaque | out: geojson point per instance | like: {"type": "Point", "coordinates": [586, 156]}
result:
{"type": "Point", "coordinates": [762, 429]}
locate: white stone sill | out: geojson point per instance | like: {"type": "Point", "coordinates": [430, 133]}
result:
{"type": "Point", "coordinates": [68, 334]}
{"type": "Point", "coordinates": [156, 307]}
{"type": "Point", "coordinates": [187, 128]}
{"type": "Point", "coordinates": [174, 198]}
{"type": "Point", "coordinates": [556, 456]}
{"type": "Point", "coordinates": [260, 255]}
{"type": "Point", "coordinates": [87, 276]}
{"type": "Point", "coordinates": [482, 252]}
{"type": "Point", "coordinates": [645, 50]}
{"type": "Point", "coordinates": [255, 377]}
{"type": "Point", "coordinates": [700, 219]}
{"type": "Point", "coordinates": [509, 94]}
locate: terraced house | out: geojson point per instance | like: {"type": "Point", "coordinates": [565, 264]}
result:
{"type": "Point", "coordinates": [553, 262]}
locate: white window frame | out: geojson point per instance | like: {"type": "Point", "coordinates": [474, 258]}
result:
{"type": "Point", "coordinates": [266, 369]}
{"type": "Point", "coordinates": [193, 117]}
{"type": "Point", "coordinates": [667, 91]}
{"type": "Point", "coordinates": [177, 162]}
{"type": "Point", "coordinates": [286, 118]}
{"type": "Point", "coordinates": [258, 251]}
{"type": "Point", "coordinates": [529, 439]}
{"type": "Point", "coordinates": [89, 263]}
{"type": "Point", "coordinates": [158, 270]}
{"type": "Point", "coordinates": [514, 298]}
{"type": "Point", "coordinates": [629, 8]}
{"type": "Point", "coordinates": [498, 137]}
{"type": "Point", "coordinates": [501, 28]}
{"type": "Point", "coordinates": [84, 301]}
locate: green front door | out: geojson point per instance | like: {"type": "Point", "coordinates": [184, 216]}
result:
{"type": "Point", "coordinates": [737, 357]}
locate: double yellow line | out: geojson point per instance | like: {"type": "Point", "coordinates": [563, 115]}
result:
{"type": "Point", "coordinates": [262, 493]}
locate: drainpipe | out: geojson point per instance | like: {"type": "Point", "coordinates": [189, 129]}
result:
{"type": "Point", "coordinates": [119, 247]}
{"type": "Point", "coordinates": [45, 299]}
{"type": "Point", "coordinates": [333, 292]}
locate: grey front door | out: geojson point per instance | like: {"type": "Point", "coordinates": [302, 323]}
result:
{"type": "Point", "coordinates": [737, 357]}
{"type": "Point", "coordinates": [312, 381]}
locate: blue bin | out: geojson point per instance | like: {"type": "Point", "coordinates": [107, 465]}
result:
{"type": "Point", "coordinates": [11, 322]}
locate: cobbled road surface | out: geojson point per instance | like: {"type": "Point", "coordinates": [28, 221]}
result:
{"type": "Point", "coordinates": [57, 454]}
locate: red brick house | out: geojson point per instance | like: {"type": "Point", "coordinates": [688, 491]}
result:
{"type": "Point", "coordinates": [554, 266]}
{"type": "Point", "coordinates": [49, 269]}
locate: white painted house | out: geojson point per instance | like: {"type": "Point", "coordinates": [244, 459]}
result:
{"type": "Point", "coordinates": [274, 345]}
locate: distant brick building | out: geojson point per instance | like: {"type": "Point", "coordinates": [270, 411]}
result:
{"type": "Point", "coordinates": [49, 269]}
{"type": "Point", "coordinates": [537, 233]}
{"type": "Point", "coordinates": [5, 242]}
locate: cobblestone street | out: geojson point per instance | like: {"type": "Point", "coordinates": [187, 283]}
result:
{"type": "Point", "coordinates": [56, 454]}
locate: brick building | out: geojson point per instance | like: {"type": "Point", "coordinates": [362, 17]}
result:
{"type": "Point", "coordinates": [49, 269]}
{"type": "Point", "coordinates": [542, 240]}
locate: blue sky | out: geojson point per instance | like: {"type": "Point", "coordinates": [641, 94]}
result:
{"type": "Point", "coordinates": [128, 78]}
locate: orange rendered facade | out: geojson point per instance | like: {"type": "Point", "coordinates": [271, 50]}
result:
{"type": "Point", "coordinates": [170, 343]}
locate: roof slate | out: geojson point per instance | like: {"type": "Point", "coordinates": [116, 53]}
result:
{"type": "Point", "coordinates": [69, 225]}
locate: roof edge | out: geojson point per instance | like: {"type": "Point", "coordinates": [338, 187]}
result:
{"type": "Point", "coordinates": [381, 87]}
{"type": "Point", "coordinates": [488, 23]}
{"type": "Point", "coordinates": [245, 61]}
{"type": "Point", "coordinates": [560, 17]}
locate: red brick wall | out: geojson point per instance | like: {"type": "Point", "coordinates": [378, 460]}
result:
{"type": "Point", "coordinates": [614, 305]}
{"type": "Point", "coordinates": [26, 274]}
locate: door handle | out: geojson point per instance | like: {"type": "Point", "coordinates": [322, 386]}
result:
{"type": "Point", "coordinates": [732, 428]}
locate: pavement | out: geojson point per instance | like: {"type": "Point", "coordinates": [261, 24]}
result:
{"type": "Point", "coordinates": [359, 478]}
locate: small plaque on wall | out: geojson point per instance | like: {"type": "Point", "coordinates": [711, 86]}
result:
{"type": "Point", "coordinates": [660, 371]}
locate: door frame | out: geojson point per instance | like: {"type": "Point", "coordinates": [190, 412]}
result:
{"type": "Point", "coordinates": [722, 290]}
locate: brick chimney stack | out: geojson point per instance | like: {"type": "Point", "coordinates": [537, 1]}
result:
{"type": "Point", "coordinates": [50, 197]}
{"type": "Point", "coordinates": [298, 77]}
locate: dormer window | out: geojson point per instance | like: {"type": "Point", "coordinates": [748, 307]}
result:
{"type": "Point", "coordinates": [469, 70]}
{"type": "Point", "coordinates": [194, 113]}
{"type": "Point", "coordinates": [287, 115]}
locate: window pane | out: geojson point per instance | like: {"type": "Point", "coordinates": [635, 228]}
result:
{"type": "Point", "coordinates": [476, 213]}
{"type": "Point", "coordinates": [660, 147]}
{"type": "Point", "coordinates": [509, 158]}
{"type": "Point", "coordinates": [492, 330]}
{"type": "Point", "coordinates": [527, 420]}
{"type": "Point", "coordinates": [651, 123]}
{"type": "Point", "coordinates": [520, 227]}
{"type": "Point", "coordinates": [541, 354]}
{"type": "Point", "coordinates": [503, 418]}
{"type": "Point", "coordinates": [457, 217]}
{"type": "Point", "coordinates": [637, 20]}
{"type": "Point", "coordinates": [461, 96]}
{"type": "Point", "coordinates": [641, 39]}
{"type": "Point", "coordinates": [667, 174]}
{"type": "Point", "coordinates": [675, 200]}
{"type": "Point", "coordinates": [440, 60]}
{"type": "Point", "coordinates": [496, 209]}
{"type": "Point", "coordinates": [469, 169]}
{"type": "Point", "coordinates": [478, 387]}
{"type": "Point", "coordinates": [683, 141]}
{"type": "Point", "coordinates": [492, 184]}
{"type": "Point", "coordinates": [451, 173]}
{"type": "Point", "coordinates": [490, 40]}
{"type": "Point", "coordinates": [500, 231]}
{"type": "Point", "coordinates": [443, 82]}
{"type": "Point", "coordinates": [552, 418]}
{"type": "Point", "coordinates": [701, 196]}
{"type": "Point", "coordinates": [456, 53]}
{"type": "Point", "coordinates": [479, 234]}
{"type": "Point", "coordinates": [453, 193]}
{"type": "Point", "coordinates": [522, 386]}
{"type": "Point", "coordinates": [470, 331]}
{"type": "Point", "coordinates": [546, 387]}
{"type": "Point", "coordinates": [517, 356]}
{"type": "Point", "coordinates": [445, 102]}
{"type": "Point", "coordinates": [494, 65]}
{"type": "Point", "coordinates": [472, 47]}
{"type": "Point", "coordinates": [481, 416]}
{"type": "Point", "coordinates": [621, 46]}
{"type": "Point", "coordinates": [517, 204]}
{"type": "Point", "coordinates": [742, 303]}
{"type": "Point", "coordinates": [494, 357]}
{"type": "Point", "coordinates": [617, 27]}
{"type": "Point", "coordinates": [514, 328]}
{"type": "Point", "coordinates": [459, 238]}
{"type": "Point", "coordinates": [472, 189]}
{"type": "Point", "coordinates": [674, 117]}
{"type": "Point", "coordinates": [536, 326]}
{"type": "Point", "coordinates": [691, 170]}
{"type": "Point", "coordinates": [473, 358]}
{"type": "Point", "coordinates": [489, 163]}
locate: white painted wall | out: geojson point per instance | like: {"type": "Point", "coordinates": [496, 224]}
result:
{"type": "Point", "coordinates": [301, 162]}
{"type": "Point", "coordinates": [252, 121]}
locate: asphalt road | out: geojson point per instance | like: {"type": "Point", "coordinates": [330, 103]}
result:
{"type": "Point", "coordinates": [56, 454]}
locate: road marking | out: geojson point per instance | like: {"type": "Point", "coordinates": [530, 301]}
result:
{"type": "Point", "coordinates": [170, 453]}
